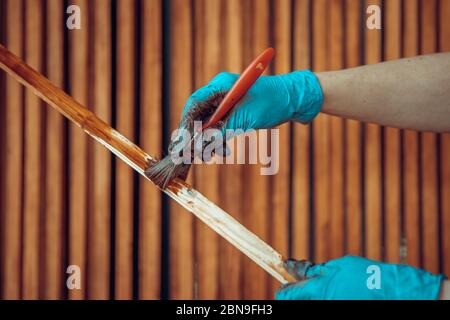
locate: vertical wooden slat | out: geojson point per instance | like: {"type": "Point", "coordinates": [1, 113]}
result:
{"type": "Point", "coordinates": [100, 157]}
{"type": "Point", "coordinates": [78, 176]}
{"type": "Point", "coordinates": [125, 124]}
{"type": "Point", "coordinates": [10, 284]}
{"type": "Point", "coordinates": [181, 222]}
{"type": "Point", "coordinates": [372, 157]}
{"type": "Point", "coordinates": [353, 163]}
{"type": "Point", "coordinates": [257, 207]}
{"type": "Point", "coordinates": [444, 45]}
{"type": "Point", "coordinates": [336, 47]}
{"type": "Point", "coordinates": [230, 259]}
{"type": "Point", "coordinates": [279, 214]}
{"type": "Point", "coordinates": [392, 143]}
{"type": "Point", "coordinates": [207, 64]}
{"type": "Point", "coordinates": [410, 165]}
{"type": "Point", "coordinates": [428, 154]}
{"type": "Point", "coordinates": [151, 128]}
{"type": "Point", "coordinates": [321, 140]}
{"type": "Point", "coordinates": [55, 160]}
{"type": "Point", "coordinates": [32, 155]}
{"type": "Point", "coordinates": [301, 140]}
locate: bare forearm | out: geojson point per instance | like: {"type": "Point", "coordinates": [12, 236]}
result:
{"type": "Point", "coordinates": [411, 93]}
{"type": "Point", "coordinates": [445, 290]}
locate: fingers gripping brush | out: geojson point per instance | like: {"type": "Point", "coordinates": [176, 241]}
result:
{"type": "Point", "coordinates": [214, 112]}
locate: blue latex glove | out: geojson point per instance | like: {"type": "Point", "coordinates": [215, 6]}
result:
{"type": "Point", "coordinates": [355, 278]}
{"type": "Point", "coordinates": [272, 100]}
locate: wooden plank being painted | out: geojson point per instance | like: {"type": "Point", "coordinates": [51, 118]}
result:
{"type": "Point", "coordinates": [353, 161]}
{"type": "Point", "coordinates": [100, 159]}
{"type": "Point", "coordinates": [392, 143]}
{"type": "Point", "coordinates": [33, 174]}
{"type": "Point", "coordinates": [428, 154]}
{"type": "Point", "coordinates": [208, 62]}
{"type": "Point", "coordinates": [280, 192]}
{"type": "Point", "coordinates": [321, 140]}
{"type": "Point", "coordinates": [125, 111]}
{"type": "Point", "coordinates": [444, 45]}
{"type": "Point", "coordinates": [231, 184]}
{"type": "Point", "coordinates": [54, 240]}
{"type": "Point", "coordinates": [151, 136]}
{"type": "Point", "coordinates": [10, 281]}
{"type": "Point", "coordinates": [256, 191]}
{"type": "Point", "coordinates": [336, 61]}
{"type": "Point", "coordinates": [301, 140]}
{"type": "Point", "coordinates": [78, 175]}
{"type": "Point", "coordinates": [372, 158]}
{"type": "Point", "coordinates": [181, 224]}
{"type": "Point", "coordinates": [410, 163]}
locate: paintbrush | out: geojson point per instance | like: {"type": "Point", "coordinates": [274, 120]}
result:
{"type": "Point", "coordinates": [213, 113]}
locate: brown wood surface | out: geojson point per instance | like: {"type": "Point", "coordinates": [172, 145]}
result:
{"type": "Point", "coordinates": [342, 188]}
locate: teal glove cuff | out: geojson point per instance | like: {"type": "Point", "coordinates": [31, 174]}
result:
{"type": "Point", "coordinates": [306, 94]}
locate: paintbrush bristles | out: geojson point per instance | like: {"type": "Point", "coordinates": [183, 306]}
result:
{"type": "Point", "coordinates": [164, 171]}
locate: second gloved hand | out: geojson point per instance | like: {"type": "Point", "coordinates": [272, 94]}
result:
{"type": "Point", "coordinates": [271, 101]}
{"type": "Point", "coordinates": [356, 278]}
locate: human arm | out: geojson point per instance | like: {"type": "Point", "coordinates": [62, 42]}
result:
{"type": "Point", "coordinates": [412, 93]}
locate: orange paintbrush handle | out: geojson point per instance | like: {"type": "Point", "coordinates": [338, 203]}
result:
{"type": "Point", "coordinates": [241, 86]}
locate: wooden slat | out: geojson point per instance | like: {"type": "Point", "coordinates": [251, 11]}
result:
{"type": "Point", "coordinates": [428, 154]}
{"type": "Point", "coordinates": [372, 158]}
{"type": "Point", "coordinates": [301, 140]}
{"type": "Point", "coordinates": [78, 175]}
{"type": "Point", "coordinates": [151, 129]}
{"type": "Point", "coordinates": [392, 144]}
{"type": "Point", "coordinates": [230, 260]}
{"type": "Point", "coordinates": [279, 213]}
{"type": "Point", "coordinates": [10, 284]}
{"type": "Point", "coordinates": [336, 49]}
{"type": "Point", "coordinates": [181, 224]}
{"type": "Point", "coordinates": [125, 102]}
{"type": "Point", "coordinates": [444, 45]}
{"type": "Point", "coordinates": [256, 192]}
{"type": "Point", "coordinates": [353, 163]}
{"type": "Point", "coordinates": [54, 239]}
{"type": "Point", "coordinates": [33, 156]}
{"type": "Point", "coordinates": [100, 158]}
{"type": "Point", "coordinates": [206, 177]}
{"type": "Point", "coordinates": [410, 165]}
{"type": "Point", "coordinates": [321, 140]}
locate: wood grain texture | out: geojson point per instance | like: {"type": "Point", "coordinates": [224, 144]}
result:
{"type": "Point", "coordinates": [372, 158]}
{"type": "Point", "coordinates": [206, 176]}
{"type": "Point", "coordinates": [444, 45]}
{"type": "Point", "coordinates": [78, 61]}
{"type": "Point", "coordinates": [100, 158]}
{"type": "Point", "coordinates": [353, 130]}
{"type": "Point", "coordinates": [231, 184]}
{"type": "Point", "coordinates": [13, 171]}
{"type": "Point", "coordinates": [257, 187]}
{"type": "Point", "coordinates": [428, 154]}
{"type": "Point", "coordinates": [392, 144]}
{"type": "Point", "coordinates": [33, 191]}
{"type": "Point", "coordinates": [181, 86]}
{"type": "Point", "coordinates": [55, 203]}
{"type": "Point", "coordinates": [151, 135]}
{"type": "Point", "coordinates": [337, 172]}
{"type": "Point", "coordinates": [280, 184]}
{"type": "Point", "coordinates": [410, 165]}
{"type": "Point", "coordinates": [321, 139]}
{"type": "Point", "coordinates": [125, 112]}
{"type": "Point", "coordinates": [301, 141]}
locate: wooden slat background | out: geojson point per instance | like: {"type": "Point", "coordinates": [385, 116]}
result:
{"type": "Point", "coordinates": [342, 188]}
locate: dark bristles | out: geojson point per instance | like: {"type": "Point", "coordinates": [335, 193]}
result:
{"type": "Point", "coordinates": [164, 171]}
